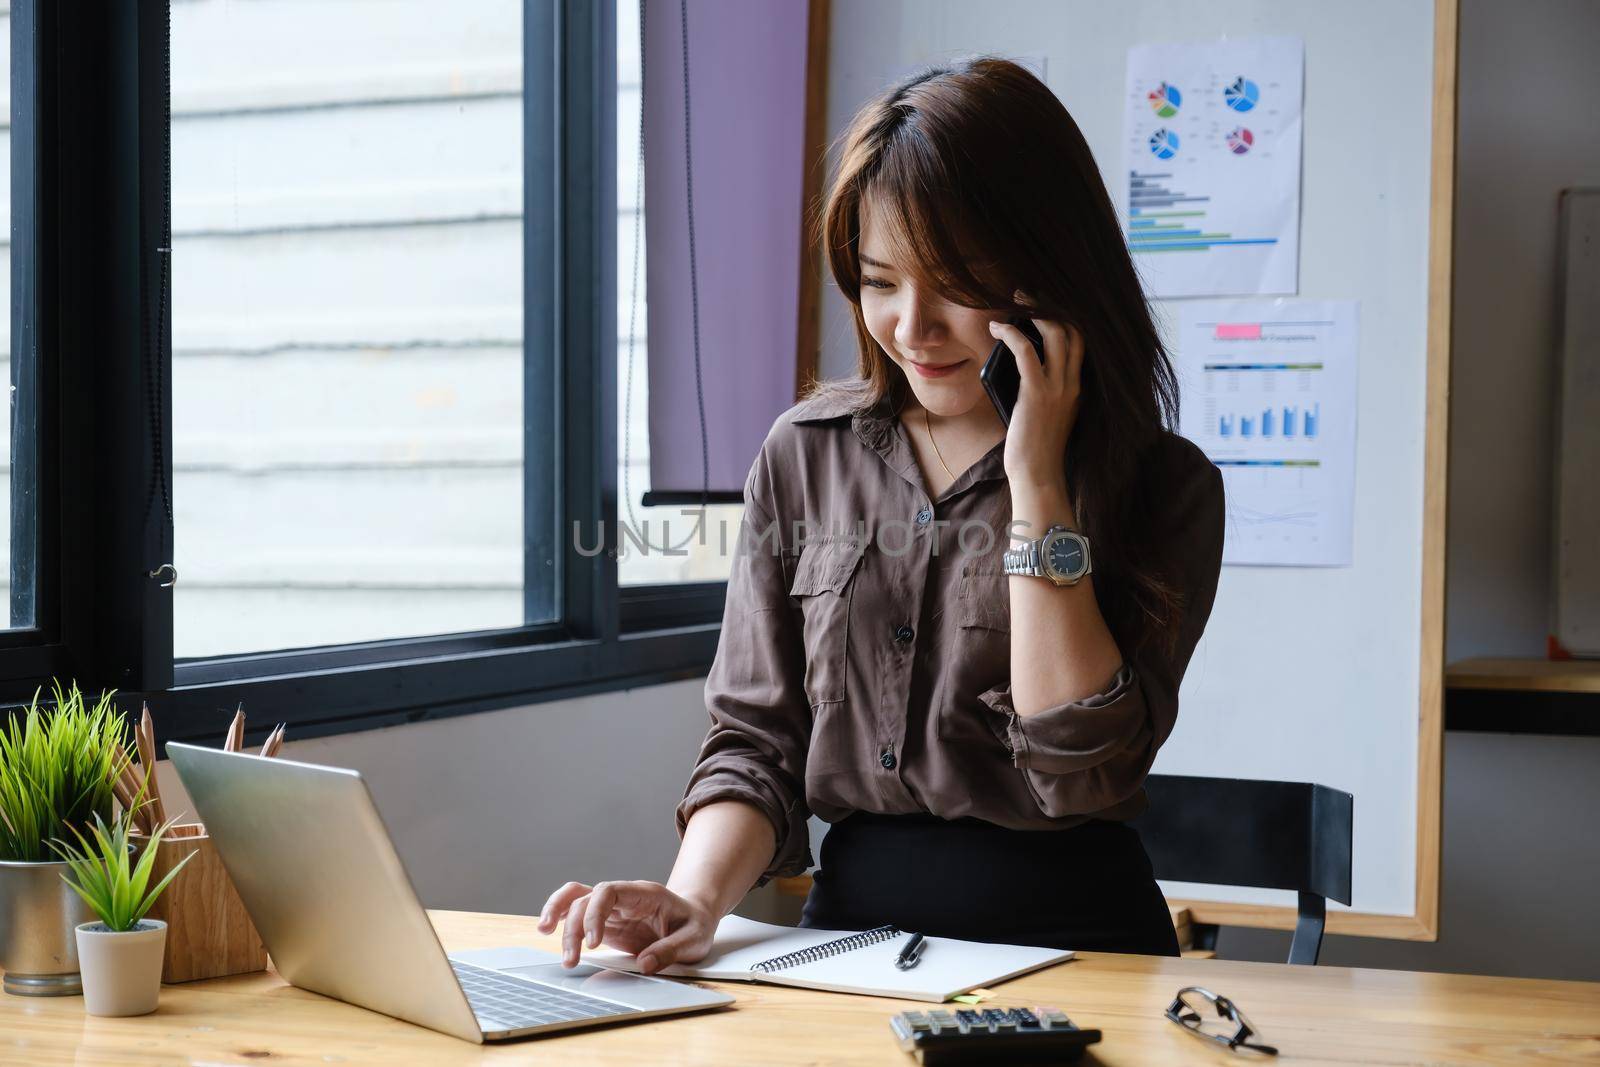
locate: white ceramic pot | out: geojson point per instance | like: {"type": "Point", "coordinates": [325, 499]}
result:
{"type": "Point", "coordinates": [121, 970]}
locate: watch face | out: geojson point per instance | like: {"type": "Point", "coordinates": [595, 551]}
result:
{"type": "Point", "coordinates": [1066, 556]}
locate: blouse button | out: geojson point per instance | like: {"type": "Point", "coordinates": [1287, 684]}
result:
{"type": "Point", "coordinates": [887, 759]}
{"type": "Point", "coordinates": [904, 634]}
{"type": "Point", "coordinates": [924, 516]}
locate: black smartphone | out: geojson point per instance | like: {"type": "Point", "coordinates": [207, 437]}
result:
{"type": "Point", "coordinates": [1000, 377]}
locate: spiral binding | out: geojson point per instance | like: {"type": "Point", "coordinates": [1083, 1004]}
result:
{"type": "Point", "coordinates": [827, 948]}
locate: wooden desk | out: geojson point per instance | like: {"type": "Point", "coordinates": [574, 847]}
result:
{"type": "Point", "coordinates": [1314, 1014]}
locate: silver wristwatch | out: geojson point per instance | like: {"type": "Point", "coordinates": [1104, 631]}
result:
{"type": "Point", "coordinates": [1061, 555]}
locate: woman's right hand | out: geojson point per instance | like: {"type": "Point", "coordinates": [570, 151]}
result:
{"type": "Point", "coordinates": [645, 918]}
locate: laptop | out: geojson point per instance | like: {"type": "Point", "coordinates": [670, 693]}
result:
{"type": "Point", "coordinates": [318, 873]}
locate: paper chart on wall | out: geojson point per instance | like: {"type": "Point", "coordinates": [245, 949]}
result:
{"type": "Point", "coordinates": [1213, 163]}
{"type": "Point", "coordinates": [1268, 392]}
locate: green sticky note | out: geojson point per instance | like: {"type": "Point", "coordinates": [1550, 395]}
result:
{"type": "Point", "coordinates": [968, 998]}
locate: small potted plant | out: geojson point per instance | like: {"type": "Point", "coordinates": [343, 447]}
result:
{"type": "Point", "coordinates": [119, 957]}
{"type": "Point", "coordinates": [59, 759]}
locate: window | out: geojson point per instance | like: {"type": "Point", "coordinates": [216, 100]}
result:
{"type": "Point", "coordinates": [354, 375]}
{"type": "Point", "coordinates": [347, 334]}
{"type": "Point", "coordinates": [19, 520]}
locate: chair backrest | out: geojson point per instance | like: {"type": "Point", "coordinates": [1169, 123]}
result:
{"type": "Point", "coordinates": [1269, 835]}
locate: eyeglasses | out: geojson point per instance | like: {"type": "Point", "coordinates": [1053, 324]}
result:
{"type": "Point", "coordinates": [1187, 1010]}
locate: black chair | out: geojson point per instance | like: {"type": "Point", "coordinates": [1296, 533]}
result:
{"type": "Point", "coordinates": [1268, 835]}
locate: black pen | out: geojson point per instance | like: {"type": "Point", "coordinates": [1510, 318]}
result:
{"type": "Point", "coordinates": [911, 953]}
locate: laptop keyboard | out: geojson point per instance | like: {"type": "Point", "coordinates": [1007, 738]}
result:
{"type": "Point", "coordinates": [504, 1003]}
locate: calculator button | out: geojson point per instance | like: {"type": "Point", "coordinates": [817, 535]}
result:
{"type": "Point", "coordinates": [1055, 1017]}
{"type": "Point", "coordinates": [1025, 1017]}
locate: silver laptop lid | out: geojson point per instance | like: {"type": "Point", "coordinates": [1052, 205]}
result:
{"type": "Point", "coordinates": [315, 867]}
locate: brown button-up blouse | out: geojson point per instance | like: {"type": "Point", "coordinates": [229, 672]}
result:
{"type": "Point", "coordinates": [864, 661]}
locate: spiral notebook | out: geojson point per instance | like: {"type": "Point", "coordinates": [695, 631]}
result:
{"type": "Point", "coordinates": [843, 961]}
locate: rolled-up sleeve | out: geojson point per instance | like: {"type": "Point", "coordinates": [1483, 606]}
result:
{"type": "Point", "coordinates": [1090, 755]}
{"type": "Point", "coordinates": [760, 718]}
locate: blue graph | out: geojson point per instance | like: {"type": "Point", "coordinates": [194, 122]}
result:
{"type": "Point", "coordinates": [1242, 95]}
{"type": "Point", "coordinates": [1164, 143]}
{"type": "Point", "coordinates": [1286, 422]}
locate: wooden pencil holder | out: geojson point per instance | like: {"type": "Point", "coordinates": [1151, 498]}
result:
{"type": "Point", "coordinates": [209, 933]}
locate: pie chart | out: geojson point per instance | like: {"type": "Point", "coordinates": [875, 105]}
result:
{"type": "Point", "coordinates": [1166, 100]}
{"type": "Point", "coordinates": [1240, 140]}
{"type": "Point", "coordinates": [1164, 143]}
{"type": "Point", "coordinates": [1242, 94]}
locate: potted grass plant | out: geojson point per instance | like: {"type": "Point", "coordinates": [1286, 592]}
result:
{"type": "Point", "coordinates": [119, 956]}
{"type": "Point", "coordinates": [57, 768]}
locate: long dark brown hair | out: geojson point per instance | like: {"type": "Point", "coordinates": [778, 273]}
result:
{"type": "Point", "coordinates": [987, 186]}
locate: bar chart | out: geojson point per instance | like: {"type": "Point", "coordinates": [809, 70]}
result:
{"type": "Point", "coordinates": [1157, 212]}
{"type": "Point", "coordinates": [1291, 422]}
{"type": "Point", "coordinates": [1268, 393]}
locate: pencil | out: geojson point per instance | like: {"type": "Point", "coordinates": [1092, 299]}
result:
{"type": "Point", "coordinates": [235, 739]}
{"type": "Point", "coordinates": [119, 789]}
{"type": "Point", "coordinates": [129, 777]}
{"type": "Point", "coordinates": [147, 752]}
{"type": "Point", "coordinates": [275, 741]}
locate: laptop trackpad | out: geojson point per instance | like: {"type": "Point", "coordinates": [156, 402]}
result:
{"type": "Point", "coordinates": [618, 986]}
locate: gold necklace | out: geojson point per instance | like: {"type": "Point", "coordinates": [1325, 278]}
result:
{"type": "Point", "coordinates": [929, 428]}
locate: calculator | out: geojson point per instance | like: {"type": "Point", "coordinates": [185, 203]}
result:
{"type": "Point", "coordinates": [991, 1035]}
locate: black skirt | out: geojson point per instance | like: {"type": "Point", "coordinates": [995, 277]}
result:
{"type": "Point", "coordinates": [1089, 887]}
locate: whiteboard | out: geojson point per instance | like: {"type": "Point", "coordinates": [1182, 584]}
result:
{"type": "Point", "coordinates": [1327, 675]}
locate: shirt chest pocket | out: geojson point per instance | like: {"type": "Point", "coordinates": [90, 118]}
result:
{"type": "Point", "coordinates": [823, 587]}
{"type": "Point", "coordinates": [983, 611]}
{"type": "Point", "coordinates": [984, 602]}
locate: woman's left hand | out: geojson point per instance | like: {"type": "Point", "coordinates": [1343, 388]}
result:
{"type": "Point", "coordinates": [1047, 404]}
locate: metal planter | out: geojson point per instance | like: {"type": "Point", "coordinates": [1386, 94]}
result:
{"type": "Point", "coordinates": [39, 915]}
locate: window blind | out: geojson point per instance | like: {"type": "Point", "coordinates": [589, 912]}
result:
{"type": "Point", "coordinates": [725, 156]}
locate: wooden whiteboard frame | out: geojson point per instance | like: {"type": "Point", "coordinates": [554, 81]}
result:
{"type": "Point", "coordinates": [1423, 923]}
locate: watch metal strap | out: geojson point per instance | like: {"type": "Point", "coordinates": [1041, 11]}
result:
{"type": "Point", "coordinates": [1023, 560]}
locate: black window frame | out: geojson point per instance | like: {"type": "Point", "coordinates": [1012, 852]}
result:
{"type": "Point", "coordinates": [97, 160]}
{"type": "Point", "coordinates": [34, 649]}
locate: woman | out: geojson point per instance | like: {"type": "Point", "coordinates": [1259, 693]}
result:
{"type": "Point", "coordinates": [976, 735]}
